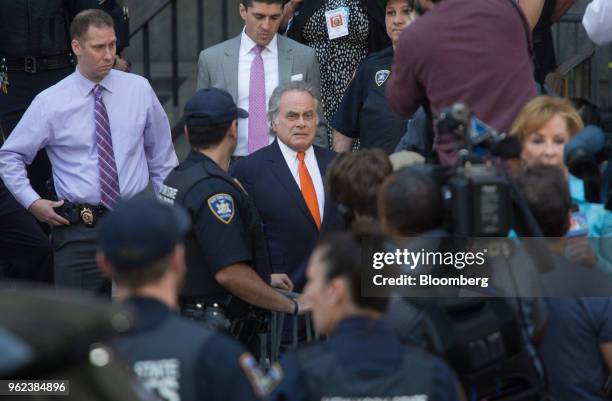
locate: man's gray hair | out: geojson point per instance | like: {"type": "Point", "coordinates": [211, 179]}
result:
{"type": "Point", "coordinates": [299, 86]}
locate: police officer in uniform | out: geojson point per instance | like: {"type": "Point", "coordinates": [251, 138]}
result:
{"type": "Point", "coordinates": [227, 259]}
{"type": "Point", "coordinates": [364, 113]}
{"type": "Point", "coordinates": [362, 358]}
{"type": "Point", "coordinates": [175, 358]}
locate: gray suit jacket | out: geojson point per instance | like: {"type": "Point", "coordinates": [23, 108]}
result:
{"type": "Point", "coordinates": [218, 67]}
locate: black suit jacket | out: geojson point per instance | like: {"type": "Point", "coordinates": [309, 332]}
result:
{"type": "Point", "coordinates": [288, 225]}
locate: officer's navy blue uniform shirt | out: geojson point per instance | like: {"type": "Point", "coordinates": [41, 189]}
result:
{"type": "Point", "coordinates": [223, 243]}
{"type": "Point", "coordinates": [364, 112]}
{"type": "Point", "coordinates": [367, 348]}
{"type": "Point", "coordinates": [226, 228]}
{"type": "Point", "coordinates": [178, 359]}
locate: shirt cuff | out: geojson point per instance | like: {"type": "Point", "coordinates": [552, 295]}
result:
{"type": "Point", "coordinates": [27, 197]}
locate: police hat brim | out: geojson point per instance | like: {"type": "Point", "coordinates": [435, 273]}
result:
{"type": "Point", "coordinates": [141, 230]}
{"type": "Point", "coordinates": [242, 113]}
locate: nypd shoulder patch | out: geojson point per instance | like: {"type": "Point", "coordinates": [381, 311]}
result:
{"type": "Point", "coordinates": [381, 76]}
{"type": "Point", "coordinates": [222, 206]}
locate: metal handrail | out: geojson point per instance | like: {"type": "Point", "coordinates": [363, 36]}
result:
{"type": "Point", "coordinates": [224, 21]}
{"type": "Point", "coordinates": [277, 322]}
{"type": "Point", "coordinates": [578, 71]}
{"type": "Point", "coordinates": [146, 42]}
{"type": "Point", "coordinates": [571, 17]}
{"type": "Point", "coordinates": [150, 17]}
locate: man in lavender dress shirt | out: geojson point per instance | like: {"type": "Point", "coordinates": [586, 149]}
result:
{"type": "Point", "coordinates": [106, 135]}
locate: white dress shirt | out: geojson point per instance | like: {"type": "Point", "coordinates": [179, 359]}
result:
{"type": "Point", "coordinates": [245, 59]}
{"type": "Point", "coordinates": [61, 120]}
{"type": "Point", "coordinates": [597, 21]}
{"type": "Point", "coordinates": [310, 159]}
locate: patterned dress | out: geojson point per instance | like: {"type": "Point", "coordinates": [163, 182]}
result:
{"type": "Point", "coordinates": [339, 58]}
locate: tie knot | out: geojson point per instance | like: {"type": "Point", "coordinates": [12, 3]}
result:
{"type": "Point", "coordinates": [300, 156]}
{"type": "Point", "coordinates": [258, 49]}
{"type": "Point", "coordinates": [98, 92]}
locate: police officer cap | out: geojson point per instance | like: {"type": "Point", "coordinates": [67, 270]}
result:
{"type": "Point", "coordinates": [211, 107]}
{"type": "Point", "coordinates": [141, 230]}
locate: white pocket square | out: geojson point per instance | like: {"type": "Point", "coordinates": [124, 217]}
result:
{"type": "Point", "coordinates": [297, 77]}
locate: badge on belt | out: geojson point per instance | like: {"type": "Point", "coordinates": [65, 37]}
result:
{"type": "Point", "coordinates": [87, 216]}
{"type": "Point", "coordinates": [222, 206]}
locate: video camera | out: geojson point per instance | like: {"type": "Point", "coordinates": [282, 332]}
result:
{"type": "Point", "coordinates": [481, 199]}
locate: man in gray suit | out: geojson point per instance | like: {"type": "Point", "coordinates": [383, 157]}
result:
{"type": "Point", "coordinates": [251, 65]}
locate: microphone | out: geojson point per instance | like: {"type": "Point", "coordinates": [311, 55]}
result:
{"type": "Point", "coordinates": [582, 155]}
{"type": "Point", "coordinates": [590, 140]}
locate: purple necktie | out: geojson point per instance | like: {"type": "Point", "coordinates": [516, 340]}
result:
{"type": "Point", "coordinates": [109, 180]}
{"type": "Point", "coordinates": [258, 125]}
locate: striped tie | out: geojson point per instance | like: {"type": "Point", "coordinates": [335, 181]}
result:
{"type": "Point", "coordinates": [109, 180]}
{"type": "Point", "coordinates": [258, 125]}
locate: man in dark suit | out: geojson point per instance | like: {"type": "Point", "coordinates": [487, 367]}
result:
{"type": "Point", "coordinates": [285, 180]}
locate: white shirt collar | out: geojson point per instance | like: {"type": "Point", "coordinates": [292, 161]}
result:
{"type": "Point", "coordinates": [247, 44]}
{"type": "Point", "coordinates": [86, 86]}
{"type": "Point", "coordinates": [290, 155]}
{"type": "Point", "coordinates": [310, 159]}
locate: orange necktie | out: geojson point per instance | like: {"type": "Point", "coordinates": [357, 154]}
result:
{"type": "Point", "coordinates": [308, 190]}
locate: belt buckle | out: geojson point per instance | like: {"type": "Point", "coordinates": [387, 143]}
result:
{"type": "Point", "coordinates": [87, 217]}
{"type": "Point", "coordinates": [30, 64]}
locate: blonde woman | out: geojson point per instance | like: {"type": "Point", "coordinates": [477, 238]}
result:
{"type": "Point", "coordinates": [544, 126]}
